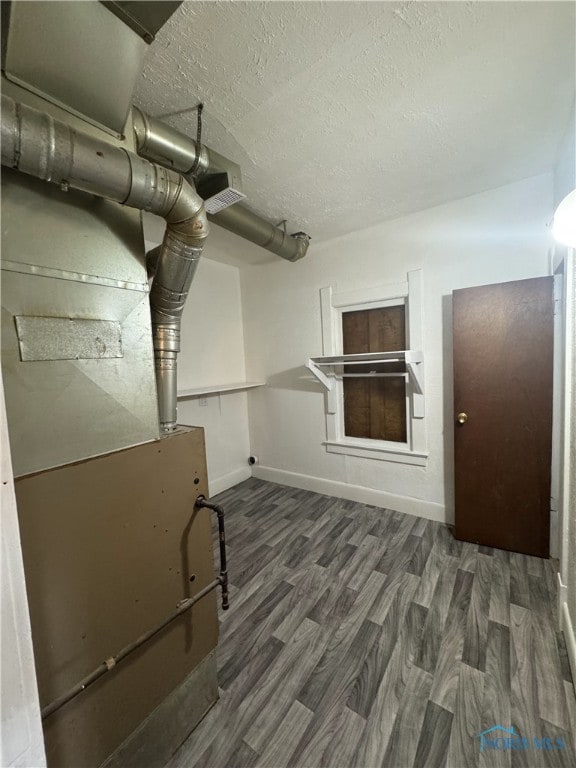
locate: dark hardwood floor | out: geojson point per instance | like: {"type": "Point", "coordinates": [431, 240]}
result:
{"type": "Point", "coordinates": [359, 637]}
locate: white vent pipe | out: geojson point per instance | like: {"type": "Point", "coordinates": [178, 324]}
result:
{"type": "Point", "coordinates": [35, 143]}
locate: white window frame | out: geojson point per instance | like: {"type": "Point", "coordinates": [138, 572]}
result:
{"type": "Point", "coordinates": [333, 305]}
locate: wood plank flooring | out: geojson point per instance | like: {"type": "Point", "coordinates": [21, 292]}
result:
{"type": "Point", "coordinates": [359, 637]}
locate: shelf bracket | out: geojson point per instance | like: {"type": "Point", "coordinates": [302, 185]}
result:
{"type": "Point", "coordinates": [414, 360]}
{"type": "Point", "coordinates": [415, 368]}
{"type": "Point", "coordinates": [328, 383]}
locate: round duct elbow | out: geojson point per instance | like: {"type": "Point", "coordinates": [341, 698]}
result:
{"type": "Point", "coordinates": [187, 218]}
{"type": "Point", "coordinates": [302, 247]}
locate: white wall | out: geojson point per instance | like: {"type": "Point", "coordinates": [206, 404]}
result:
{"type": "Point", "coordinates": [492, 237]}
{"type": "Point", "coordinates": [567, 572]}
{"type": "Point", "coordinates": [565, 182]}
{"type": "Point", "coordinates": [21, 740]}
{"type": "Point", "coordinates": [212, 353]}
{"type": "Point", "coordinates": [565, 170]}
{"type": "Point", "coordinates": [212, 343]}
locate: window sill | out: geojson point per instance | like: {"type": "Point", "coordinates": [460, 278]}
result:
{"type": "Point", "coordinates": [367, 451]}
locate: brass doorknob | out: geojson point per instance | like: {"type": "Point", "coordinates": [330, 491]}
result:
{"type": "Point", "coordinates": [462, 418]}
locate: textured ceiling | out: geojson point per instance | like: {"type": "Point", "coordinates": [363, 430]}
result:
{"type": "Point", "coordinates": [343, 114]}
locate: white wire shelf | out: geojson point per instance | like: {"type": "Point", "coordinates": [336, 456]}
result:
{"type": "Point", "coordinates": [329, 369]}
{"type": "Point", "coordinates": [332, 366]}
{"type": "Point", "coordinates": [217, 388]}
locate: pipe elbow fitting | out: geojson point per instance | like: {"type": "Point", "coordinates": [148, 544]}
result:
{"type": "Point", "coordinates": [187, 219]}
{"type": "Point", "coordinates": [141, 128]}
{"type": "Point", "coordinates": [303, 241]}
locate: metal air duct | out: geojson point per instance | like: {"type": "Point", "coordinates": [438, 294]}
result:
{"type": "Point", "coordinates": [242, 221]}
{"type": "Point", "coordinates": [37, 144]}
{"type": "Point", "coordinates": [165, 145]}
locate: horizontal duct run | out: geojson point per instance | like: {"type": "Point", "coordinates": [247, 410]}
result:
{"type": "Point", "coordinates": [165, 145]}
{"type": "Point", "coordinates": [35, 143]}
{"type": "Point", "coordinates": [243, 222]}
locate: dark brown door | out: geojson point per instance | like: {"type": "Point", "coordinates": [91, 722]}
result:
{"type": "Point", "coordinates": [503, 348]}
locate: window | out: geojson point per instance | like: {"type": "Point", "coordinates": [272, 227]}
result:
{"type": "Point", "coordinates": [374, 394]}
{"type": "Point", "coordinates": [372, 369]}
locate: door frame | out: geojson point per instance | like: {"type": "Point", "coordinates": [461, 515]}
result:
{"type": "Point", "coordinates": [566, 473]}
{"type": "Point", "coordinates": [557, 411]}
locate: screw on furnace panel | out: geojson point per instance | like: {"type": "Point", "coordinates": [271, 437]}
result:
{"type": "Point", "coordinates": [203, 401]}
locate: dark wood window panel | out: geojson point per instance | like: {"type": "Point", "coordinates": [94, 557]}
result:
{"type": "Point", "coordinates": [375, 408]}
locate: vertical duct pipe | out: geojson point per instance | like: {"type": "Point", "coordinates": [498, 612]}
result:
{"type": "Point", "coordinates": [35, 143]}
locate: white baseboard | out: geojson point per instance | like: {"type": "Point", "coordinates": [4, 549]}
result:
{"type": "Point", "coordinates": [411, 506]}
{"type": "Point", "coordinates": [562, 597]}
{"type": "Point", "coordinates": [220, 484]}
{"type": "Point", "coordinates": [567, 625]}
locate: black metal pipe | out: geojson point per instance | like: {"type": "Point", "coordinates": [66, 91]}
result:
{"type": "Point", "coordinates": [202, 501]}
{"type": "Point", "coordinates": [110, 663]}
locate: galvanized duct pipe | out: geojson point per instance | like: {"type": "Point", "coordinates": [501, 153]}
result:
{"type": "Point", "coordinates": [34, 143]}
{"type": "Point", "coordinates": [242, 221]}
{"type": "Point", "coordinates": [165, 145]}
